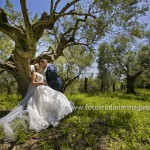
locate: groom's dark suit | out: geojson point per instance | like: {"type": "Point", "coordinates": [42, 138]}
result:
{"type": "Point", "coordinates": [52, 78]}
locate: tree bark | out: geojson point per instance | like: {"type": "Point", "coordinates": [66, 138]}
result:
{"type": "Point", "coordinates": [67, 82]}
{"type": "Point", "coordinates": [102, 86]}
{"type": "Point", "coordinates": [21, 70]}
{"type": "Point", "coordinates": [130, 82]}
{"type": "Point", "coordinates": [114, 86]}
{"type": "Point", "coordinates": [22, 73]}
{"type": "Point", "coordinates": [130, 85]}
{"type": "Point", "coordinates": [85, 85]}
{"type": "Point", "coordinates": [23, 82]}
{"type": "Point", "coordinates": [8, 90]}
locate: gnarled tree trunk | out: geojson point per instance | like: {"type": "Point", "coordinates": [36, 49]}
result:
{"type": "Point", "coordinates": [130, 85]}
{"type": "Point", "coordinates": [21, 71]}
{"type": "Point", "coordinates": [22, 75]}
{"type": "Point", "coordinates": [130, 82]}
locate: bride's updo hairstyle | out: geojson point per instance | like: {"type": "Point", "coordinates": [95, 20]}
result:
{"type": "Point", "coordinates": [34, 68]}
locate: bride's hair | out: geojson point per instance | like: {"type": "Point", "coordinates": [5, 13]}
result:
{"type": "Point", "coordinates": [36, 66]}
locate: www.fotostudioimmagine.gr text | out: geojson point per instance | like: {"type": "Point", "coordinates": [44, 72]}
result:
{"type": "Point", "coordinates": [112, 107]}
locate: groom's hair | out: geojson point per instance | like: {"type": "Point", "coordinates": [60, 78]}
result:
{"type": "Point", "coordinates": [43, 60]}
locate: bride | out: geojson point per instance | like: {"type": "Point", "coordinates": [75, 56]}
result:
{"type": "Point", "coordinates": [41, 107]}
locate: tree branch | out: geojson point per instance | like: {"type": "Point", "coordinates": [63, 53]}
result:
{"type": "Point", "coordinates": [81, 43]}
{"type": "Point", "coordinates": [72, 13]}
{"type": "Point", "coordinates": [25, 14]}
{"type": "Point", "coordinates": [12, 32]}
{"type": "Point", "coordinates": [28, 28]}
{"type": "Point", "coordinates": [68, 5]}
{"type": "Point", "coordinates": [54, 35]}
{"type": "Point", "coordinates": [78, 43]}
{"type": "Point", "coordinates": [39, 26]}
{"type": "Point", "coordinates": [68, 31]}
{"type": "Point", "coordinates": [57, 2]}
{"type": "Point", "coordinates": [8, 67]}
{"type": "Point", "coordinates": [44, 55]}
{"type": "Point", "coordinates": [137, 73]}
{"type": "Point", "coordinates": [76, 25]}
{"type": "Point", "coordinates": [64, 43]}
{"type": "Point", "coordinates": [69, 81]}
{"type": "Point", "coordinates": [52, 12]}
{"type": "Point", "coordinates": [51, 6]}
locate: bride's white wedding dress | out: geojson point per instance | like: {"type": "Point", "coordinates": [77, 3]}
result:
{"type": "Point", "coordinates": [40, 107]}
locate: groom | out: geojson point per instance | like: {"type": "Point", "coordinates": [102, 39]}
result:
{"type": "Point", "coordinates": [50, 74]}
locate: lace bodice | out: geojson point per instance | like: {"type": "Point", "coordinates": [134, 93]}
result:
{"type": "Point", "coordinates": [39, 77]}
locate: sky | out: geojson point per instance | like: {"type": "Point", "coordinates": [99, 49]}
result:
{"type": "Point", "coordinates": [44, 5]}
{"type": "Point", "coordinates": [33, 5]}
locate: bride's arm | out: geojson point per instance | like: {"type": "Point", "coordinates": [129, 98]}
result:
{"type": "Point", "coordinates": [34, 81]}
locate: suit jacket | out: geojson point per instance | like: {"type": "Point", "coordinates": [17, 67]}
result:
{"type": "Point", "coordinates": [52, 78]}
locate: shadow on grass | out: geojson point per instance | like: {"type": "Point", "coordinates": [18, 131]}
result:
{"type": "Point", "coordinates": [78, 134]}
{"type": "Point", "coordinates": [3, 113]}
{"type": "Point", "coordinates": [109, 125]}
{"type": "Point", "coordinates": [81, 135]}
{"type": "Point", "coordinates": [7, 146]}
{"type": "Point", "coordinates": [4, 145]}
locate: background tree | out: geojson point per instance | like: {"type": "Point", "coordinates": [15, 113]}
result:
{"type": "Point", "coordinates": [104, 67]}
{"type": "Point", "coordinates": [144, 59]}
{"type": "Point", "coordinates": [7, 83]}
{"type": "Point", "coordinates": [74, 63]}
{"type": "Point", "coordinates": [143, 81]}
{"type": "Point", "coordinates": [131, 60]}
{"type": "Point", "coordinates": [108, 74]}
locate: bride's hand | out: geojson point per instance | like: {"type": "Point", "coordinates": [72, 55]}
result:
{"type": "Point", "coordinates": [43, 83]}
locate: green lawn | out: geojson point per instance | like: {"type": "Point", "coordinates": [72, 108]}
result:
{"type": "Point", "coordinates": [98, 122]}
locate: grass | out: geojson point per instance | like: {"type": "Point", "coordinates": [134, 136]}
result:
{"type": "Point", "coordinates": [94, 124]}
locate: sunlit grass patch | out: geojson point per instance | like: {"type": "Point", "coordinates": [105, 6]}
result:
{"type": "Point", "coordinates": [97, 128]}
{"type": "Point", "coordinates": [7, 102]}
